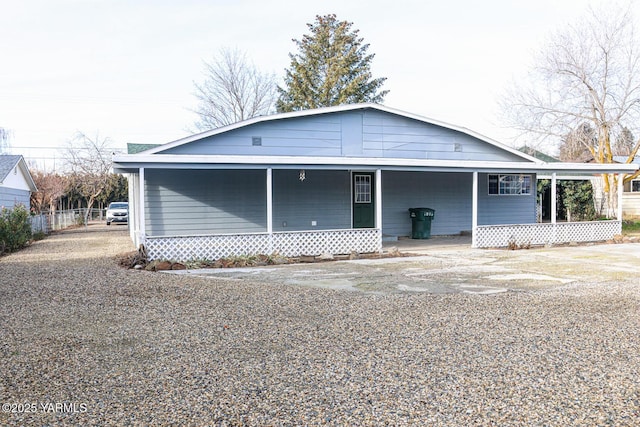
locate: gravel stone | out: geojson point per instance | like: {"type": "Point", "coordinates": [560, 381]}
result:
{"type": "Point", "coordinates": [116, 347]}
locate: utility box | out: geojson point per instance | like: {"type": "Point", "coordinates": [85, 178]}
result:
{"type": "Point", "coordinates": [421, 222]}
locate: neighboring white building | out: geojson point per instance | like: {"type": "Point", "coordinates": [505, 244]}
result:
{"type": "Point", "coordinates": [16, 183]}
{"type": "Point", "coordinates": [631, 194]}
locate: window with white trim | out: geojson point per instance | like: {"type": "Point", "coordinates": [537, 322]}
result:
{"type": "Point", "coordinates": [362, 188]}
{"type": "Point", "coordinates": [509, 184]}
{"type": "Point", "coordinates": [635, 185]}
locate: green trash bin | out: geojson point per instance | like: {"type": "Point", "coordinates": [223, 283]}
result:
{"type": "Point", "coordinates": [421, 222]}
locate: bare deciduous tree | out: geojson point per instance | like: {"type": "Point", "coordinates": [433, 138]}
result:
{"type": "Point", "coordinates": [588, 73]}
{"type": "Point", "coordinates": [51, 187]}
{"type": "Point", "coordinates": [574, 145]}
{"type": "Point", "coordinates": [233, 90]}
{"type": "Point", "coordinates": [624, 143]}
{"type": "Point", "coordinates": [4, 140]}
{"type": "Point", "coordinates": [89, 163]}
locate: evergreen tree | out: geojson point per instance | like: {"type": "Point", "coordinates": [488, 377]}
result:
{"type": "Point", "coordinates": [332, 67]}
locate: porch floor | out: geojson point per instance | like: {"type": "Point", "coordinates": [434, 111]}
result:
{"type": "Point", "coordinates": [426, 246]}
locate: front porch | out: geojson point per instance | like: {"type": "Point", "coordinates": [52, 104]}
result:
{"type": "Point", "coordinates": [286, 205]}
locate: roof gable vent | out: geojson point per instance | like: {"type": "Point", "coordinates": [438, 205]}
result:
{"type": "Point", "coordinates": [256, 140]}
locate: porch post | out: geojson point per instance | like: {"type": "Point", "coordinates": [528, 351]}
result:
{"type": "Point", "coordinates": [378, 203]}
{"type": "Point", "coordinates": [554, 202]}
{"type": "Point", "coordinates": [620, 191]}
{"type": "Point", "coordinates": [474, 211]}
{"type": "Point", "coordinates": [270, 201]}
{"type": "Point", "coordinates": [141, 210]}
{"type": "Point", "coordinates": [133, 188]}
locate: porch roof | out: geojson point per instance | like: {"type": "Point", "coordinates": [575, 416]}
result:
{"type": "Point", "coordinates": [124, 163]}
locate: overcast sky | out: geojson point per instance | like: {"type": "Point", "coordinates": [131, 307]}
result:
{"type": "Point", "coordinates": [125, 68]}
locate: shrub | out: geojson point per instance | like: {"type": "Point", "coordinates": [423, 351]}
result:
{"type": "Point", "coordinates": [15, 228]}
{"type": "Point", "coordinates": [38, 235]}
{"type": "Point", "coordinates": [577, 197]}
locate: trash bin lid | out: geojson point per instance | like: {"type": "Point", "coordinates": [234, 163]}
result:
{"type": "Point", "coordinates": [422, 211]}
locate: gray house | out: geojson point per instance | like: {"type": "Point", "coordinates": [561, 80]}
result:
{"type": "Point", "coordinates": [16, 183]}
{"type": "Point", "coordinates": [337, 180]}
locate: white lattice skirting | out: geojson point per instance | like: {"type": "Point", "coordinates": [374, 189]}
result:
{"type": "Point", "coordinates": [290, 244]}
{"type": "Point", "coordinates": [498, 236]}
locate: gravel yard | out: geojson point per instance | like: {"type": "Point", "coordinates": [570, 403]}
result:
{"type": "Point", "coordinates": [85, 342]}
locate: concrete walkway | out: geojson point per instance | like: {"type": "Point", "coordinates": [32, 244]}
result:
{"type": "Point", "coordinates": [429, 246]}
{"type": "Point", "coordinates": [450, 265]}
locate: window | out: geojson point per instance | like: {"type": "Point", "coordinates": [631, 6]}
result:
{"type": "Point", "coordinates": [362, 188]}
{"type": "Point", "coordinates": [509, 184]}
{"type": "Point", "coordinates": [635, 185]}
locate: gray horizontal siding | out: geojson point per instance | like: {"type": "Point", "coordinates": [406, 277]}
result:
{"type": "Point", "coordinates": [324, 197]}
{"type": "Point", "coordinates": [320, 135]}
{"type": "Point", "coordinates": [10, 197]}
{"type": "Point", "coordinates": [505, 209]}
{"type": "Point", "coordinates": [448, 193]}
{"type": "Point", "coordinates": [631, 204]}
{"type": "Point", "coordinates": [188, 202]}
{"type": "Point", "coordinates": [366, 133]}
{"type": "Point", "coordinates": [389, 135]}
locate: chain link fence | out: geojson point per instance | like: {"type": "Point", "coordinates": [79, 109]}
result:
{"type": "Point", "coordinates": [58, 220]}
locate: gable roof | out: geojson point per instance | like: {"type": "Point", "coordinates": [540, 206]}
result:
{"type": "Point", "coordinates": [8, 162]}
{"type": "Point", "coordinates": [161, 156]}
{"type": "Point", "coordinates": [336, 109]}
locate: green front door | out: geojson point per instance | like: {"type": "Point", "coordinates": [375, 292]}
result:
{"type": "Point", "coordinates": [364, 212]}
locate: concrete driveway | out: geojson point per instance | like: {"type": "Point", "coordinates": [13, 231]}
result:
{"type": "Point", "coordinates": [453, 268]}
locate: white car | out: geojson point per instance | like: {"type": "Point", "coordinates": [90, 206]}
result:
{"type": "Point", "coordinates": [117, 212]}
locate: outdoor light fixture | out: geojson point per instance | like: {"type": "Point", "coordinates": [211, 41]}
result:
{"type": "Point", "coordinates": [302, 175]}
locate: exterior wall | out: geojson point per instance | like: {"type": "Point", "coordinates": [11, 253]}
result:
{"type": "Point", "coordinates": [196, 202]}
{"type": "Point", "coordinates": [304, 136]}
{"type": "Point", "coordinates": [505, 209]}
{"type": "Point", "coordinates": [200, 202]}
{"type": "Point", "coordinates": [10, 197]}
{"type": "Point", "coordinates": [16, 179]}
{"type": "Point", "coordinates": [631, 205]}
{"type": "Point", "coordinates": [364, 133]}
{"type": "Point", "coordinates": [448, 193]}
{"type": "Point", "coordinates": [323, 197]}
{"type": "Point", "coordinates": [388, 135]}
